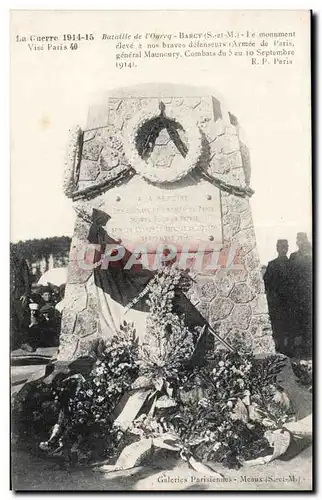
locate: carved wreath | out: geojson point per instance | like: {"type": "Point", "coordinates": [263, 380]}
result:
{"type": "Point", "coordinates": [183, 163]}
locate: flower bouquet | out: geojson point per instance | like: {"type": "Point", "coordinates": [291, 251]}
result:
{"type": "Point", "coordinates": [138, 398]}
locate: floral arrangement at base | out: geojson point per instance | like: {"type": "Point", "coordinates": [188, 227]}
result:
{"type": "Point", "coordinates": [228, 409]}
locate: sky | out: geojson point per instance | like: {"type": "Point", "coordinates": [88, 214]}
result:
{"type": "Point", "coordinates": [51, 91]}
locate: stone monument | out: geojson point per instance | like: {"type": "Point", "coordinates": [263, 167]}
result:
{"type": "Point", "coordinates": [166, 164]}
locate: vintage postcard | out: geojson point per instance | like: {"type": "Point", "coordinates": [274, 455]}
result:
{"type": "Point", "coordinates": [161, 250]}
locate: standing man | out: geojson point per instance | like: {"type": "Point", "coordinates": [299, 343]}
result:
{"type": "Point", "coordinates": [19, 298]}
{"type": "Point", "coordinates": [301, 273]}
{"type": "Point", "coordinates": [304, 252]}
{"type": "Point", "coordinates": [278, 292]}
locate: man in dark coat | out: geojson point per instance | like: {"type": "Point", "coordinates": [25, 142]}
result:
{"type": "Point", "coordinates": [19, 298]}
{"type": "Point", "coordinates": [301, 274]}
{"type": "Point", "coordinates": [278, 292]}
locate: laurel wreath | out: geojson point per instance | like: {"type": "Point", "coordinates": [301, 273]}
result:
{"type": "Point", "coordinates": [181, 166]}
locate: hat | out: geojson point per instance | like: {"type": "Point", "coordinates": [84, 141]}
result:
{"type": "Point", "coordinates": [36, 286]}
{"type": "Point", "coordinates": [282, 242]}
{"type": "Point", "coordinates": [302, 236]}
{"type": "Point", "coordinates": [33, 306]}
{"type": "Point", "coordinates": [45, 289]}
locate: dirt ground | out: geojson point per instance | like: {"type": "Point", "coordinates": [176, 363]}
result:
{"type": "Point", "coordinates": [34, 474]}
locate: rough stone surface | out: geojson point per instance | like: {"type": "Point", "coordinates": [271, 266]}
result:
{"type": "Point", "coordinates": [238, 204]}
{"type": "Point", "coordinates": [259, 304]}
{"type": "Point", "coordinates": [255, 281]}
{"type": "Point", "coordinates": [68, 345]}
{"type": "Point", "coordinates": [223, 328]}
{"type": "Point", "coordinates": [263, 344]}
{"type": "Point", "coordinates": [220, 308]}
{"type": "Point", "coordinates": [246, 161]}
{"type": "Point", "coordinates": [92, 304]}
{"type": "Point", "coordinates": [108, 159]}
{"type": "Point", "coordinates": [76, 274]}
{"type": "Point", "coordinates": [90, 170]}
{"type": "Point", "coordinates": [85, 343]}
{"type": "Point", "coordinates": [114, 104]}
{"type": "Point", "coordinates": [239, 275]}
{"type": "Point", "coordinates": [208, 289]}
{"type": "Point", "coordinates": [241, 316]}
{"type": "Point", "coordinates": [246, 220]}
{"type": "Point", "coordinates": [219, 164]}
{"type": "Point", "coordinates": [75, 298]}
{"type": "Point", "coordinates": [224, 204]}
{"type": "Point", "coordinates": [80, 232]}
{"type": "Point", "coordinates": [225, 144]}
{"type": "Point", "coordinates": [86, 324]}
{"type": "Point", "coordinates": [225, 282]}
{"type": "Point", "coordinates": [236, 176]}
{"type": "Point", "coordinates": [103, 158]}
{"type": "Point", "coordinates": [245, 240]}
{"type": "Point", "coordinates": [204, 109]}
{"type": "Point", "coordinates": [232, 300]}
{"type": "Point", "coordinates": [68, 321]}
{"type": "Point", "coordinates": [252, 260]}
{"type": "Point", "coordinates": [259, 325]}
{"type": "Point", "coordinates": [232, 223]}
{"type": "Point", "coordinates": [241, 293]}
{"type": "Point", "coordinates": [116, 120]}
{"type": "Point", "coordinates": [89, 135]}
{"type": "Point", "coordinates": [91, 150]}
{"type": "Point", "coordinates": [244, 335]}
{"type": "Point", "coordinates": [214, 129]}
{"type": "Point", "coordinates": [231, 130]}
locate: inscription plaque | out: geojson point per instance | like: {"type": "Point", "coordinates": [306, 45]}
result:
{"type": "Point", "coordinates": [143, 213]}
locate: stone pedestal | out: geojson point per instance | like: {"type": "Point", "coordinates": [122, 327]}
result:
{"type": "Point", "coordinates": [201, 198]}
